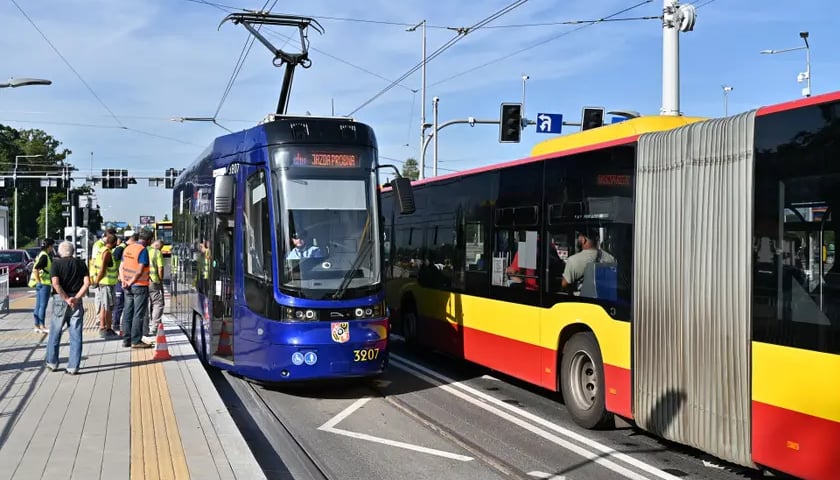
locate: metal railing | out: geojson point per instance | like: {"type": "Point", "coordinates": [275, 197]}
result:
{"type": "Point", "coordinates": [4, 289]}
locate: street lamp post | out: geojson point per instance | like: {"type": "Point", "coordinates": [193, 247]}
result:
{"type": "Point", "coordinates": [803, 76]}
{"type": "Point", "coordinates": [726, 90]}
{"type": "Point", "coordinates": [14, 177]}
{"type": "Point", "coordinates": [24, 82]}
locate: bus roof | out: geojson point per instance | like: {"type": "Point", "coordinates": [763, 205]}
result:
{"type": "Point", "coordinates": [608, 134]}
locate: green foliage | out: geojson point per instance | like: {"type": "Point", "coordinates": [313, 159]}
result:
{"type": "Point", "coordinates": [410, 169]}
{"type": "Point", "coordinates": [31, 196]}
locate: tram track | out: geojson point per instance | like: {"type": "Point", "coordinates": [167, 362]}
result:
{"type": "Point", "coordinates": [297, 457]}
{"type": "Point", "coordinates": [482, 455]}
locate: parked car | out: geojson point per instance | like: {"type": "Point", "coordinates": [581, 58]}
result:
{"type": "Point", "coordinates": [33, 252]}
{"type": "Point", "coordinates": [20, 265]}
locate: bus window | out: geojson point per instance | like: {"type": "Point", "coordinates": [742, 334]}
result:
{"type": "Point", "coordinates": [515, 255]}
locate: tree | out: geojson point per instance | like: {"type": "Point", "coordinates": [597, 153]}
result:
{"type": "Point", "coordinates": [56, 223]}
{"type": "Point", "coordinates": [14, 143]}
{"type": "Point", "coordinates": [410, 169]}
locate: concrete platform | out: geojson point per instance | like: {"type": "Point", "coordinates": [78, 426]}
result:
{"type": "Point", "coordinates": [124, 416]}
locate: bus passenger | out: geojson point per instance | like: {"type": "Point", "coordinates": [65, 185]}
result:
{"type": "Point", "coordinates": [590, 252]}
{"type": "Point", "coordinates": [300, 249]}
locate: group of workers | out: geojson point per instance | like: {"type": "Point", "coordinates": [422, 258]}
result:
{"type": "Point", "coordinates": [125, 277]}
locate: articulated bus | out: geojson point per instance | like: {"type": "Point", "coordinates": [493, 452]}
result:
{"type": "Point", "coordinates": [163, 232]}
{"type": "Point", "coordinates": [277, 253]}
{"type": "Point", "coordinates": [677, 272]}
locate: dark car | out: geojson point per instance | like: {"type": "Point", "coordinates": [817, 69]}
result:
{"type": "Point", "coordinates": [20, 265]}
{"type": "Point", "coordinates": [33, 252]}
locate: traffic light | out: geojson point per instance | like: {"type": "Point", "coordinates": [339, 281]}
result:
{"type": "Point", "coordinates": [592, 117]}
{"type": "Point", "coordinates": [169, 179]}
{"type": "Point", "coordinates": [510, 123]}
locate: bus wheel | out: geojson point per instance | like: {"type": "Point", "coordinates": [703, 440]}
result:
{"type": "Point", "coordinates": [409, 323]}
{"type": "Point", "coordinates": [582, 381]}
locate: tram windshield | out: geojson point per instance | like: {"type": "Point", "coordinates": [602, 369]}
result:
{"type": "Point", "coordinates": [328, 238]}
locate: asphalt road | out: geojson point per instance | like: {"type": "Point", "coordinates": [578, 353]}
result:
{"type": "Point", "coordinates": [431, 417]}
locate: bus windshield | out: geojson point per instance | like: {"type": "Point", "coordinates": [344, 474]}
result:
{"type": "Point", "coordinates": [164, 234]}
{"type": "Point", "coordinates": [329, 240]}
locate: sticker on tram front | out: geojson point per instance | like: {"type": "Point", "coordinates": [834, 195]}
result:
{"type": "Point", "coordinates": [297, 358]}
{"type": "Point", "coordinates": [341, 332]}
{"type": "Point", "coordinates": [310, 358]}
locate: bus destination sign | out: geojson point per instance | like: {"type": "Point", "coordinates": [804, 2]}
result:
{"type": "Point", "coordinates": [327, 159]}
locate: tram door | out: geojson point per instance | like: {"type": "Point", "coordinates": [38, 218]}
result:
{"type": "Point", "coordinates": [222, 267]}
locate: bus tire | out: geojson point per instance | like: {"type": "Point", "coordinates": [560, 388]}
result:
{"type": "Point", "coordinates": [582, 381]}
{"type": "Point", "coordinates": [408, 314]}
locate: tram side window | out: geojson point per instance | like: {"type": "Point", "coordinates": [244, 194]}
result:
{"type": "Point", "coordinates": [257, 229]}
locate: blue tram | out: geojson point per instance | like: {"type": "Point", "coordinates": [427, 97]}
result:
{"type": "Point", "coordinates": [277, 251]}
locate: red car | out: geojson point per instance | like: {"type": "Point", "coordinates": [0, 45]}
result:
{"type": "Point", "coordinates": [20, 265]}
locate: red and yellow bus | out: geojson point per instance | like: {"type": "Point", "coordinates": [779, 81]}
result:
{"type": "Point", "coordinates": [669, 270]}
{"type": "Point", "coordinates": [163, 232]}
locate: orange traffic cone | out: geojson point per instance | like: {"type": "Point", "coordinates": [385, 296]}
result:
{"type": "Point", "coordinates": [224, 342]}
{"type": "Point", "coordinates": [161, 350]}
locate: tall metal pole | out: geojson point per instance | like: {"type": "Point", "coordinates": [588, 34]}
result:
{"type": "Point", "coordinates": [422, 165]}
{"type": "Point", "coordinates": [670, 59]}
{"type": "Point", "coordinates": [47, 208]}
{"type": "Point", "coordinates": [524, 79]}
{"type": "Point", "coordinates": [808, 65]}
{"type": "Point", "coordinates": [16, 202]}
{"type": "Point", "coordinates": [434, 130]}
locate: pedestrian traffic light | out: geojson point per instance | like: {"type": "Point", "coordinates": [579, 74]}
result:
{"type": "Point", "coordinates": [592, 117]}
{"type": "Point", "coordinates": [510, 123]}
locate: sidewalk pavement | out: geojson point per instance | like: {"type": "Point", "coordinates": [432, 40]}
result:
{"type": "Point", "coordinates": [124, 416]}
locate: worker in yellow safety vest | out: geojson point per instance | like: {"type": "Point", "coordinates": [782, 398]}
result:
{"type": "Point", "coordinates": [155, 285]}
{"type": "Point", "coordinates": [42, 283]}
{"type": "Point", "coordinates": [103, 281]}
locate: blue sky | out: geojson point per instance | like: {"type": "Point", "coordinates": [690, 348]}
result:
{"type": "Point", "coordinates": [152, 60]}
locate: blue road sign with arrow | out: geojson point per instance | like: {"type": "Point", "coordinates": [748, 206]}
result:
{"type": "Point", "coordinates": [549, 122]}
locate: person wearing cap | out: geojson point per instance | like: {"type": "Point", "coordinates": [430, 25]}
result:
{"type": "Point", "coordinates": [40, 279]}
{"type": "Point", "coordinates": [590, 252]}
{"type": "Point", "coordinates": [300, 249]}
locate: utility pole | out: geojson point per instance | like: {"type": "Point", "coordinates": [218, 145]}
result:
{"type": "Point", "coordinates": [435, 102]}
{"type": "Point", "coordinates": [676, 18]}
{"type": "Point", "coordinates": [423, 125]}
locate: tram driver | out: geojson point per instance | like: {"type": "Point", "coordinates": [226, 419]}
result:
{"type": "Point", "coordinates": [300, 249]}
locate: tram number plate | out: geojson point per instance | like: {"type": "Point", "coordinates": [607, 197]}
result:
{"type": "Point", "coordinates": [365, 354]}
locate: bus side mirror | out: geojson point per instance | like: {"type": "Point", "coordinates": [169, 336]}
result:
{"type": "Point", "coordinates": [223, 194]}
{"type": "Point", "coordinates": [404, 195]}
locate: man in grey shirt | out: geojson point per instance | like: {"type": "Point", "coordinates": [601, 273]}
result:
{"type": "Point", "coordinates": [590, 252]}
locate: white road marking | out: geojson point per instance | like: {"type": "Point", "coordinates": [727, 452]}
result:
{"type": "Point", "coordinates": [330, 427]}
{"type": "Point", "coordinates": [398, 338]}
{"type": "Point", "coordinates": [488, 377]}
{"type": "Point", "coordinates": [547, 476]}
{"type": "Point", "coordinates": [482, 400]}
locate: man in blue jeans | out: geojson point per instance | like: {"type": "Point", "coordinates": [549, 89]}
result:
{"type": "Point", "coordinates": [134, 276]}
{"type": "Point", "coordinates": [43, 284]}
{"type": "Point", "coordinates": [70, 281]}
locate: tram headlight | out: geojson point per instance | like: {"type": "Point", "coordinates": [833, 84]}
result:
{"type": "Point", "coordinates": [291, 314]}
{"type": "Point", "coordinates": [372, 311]}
